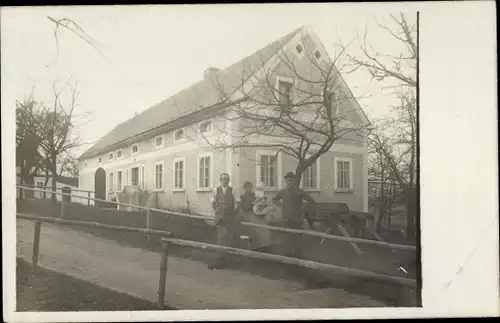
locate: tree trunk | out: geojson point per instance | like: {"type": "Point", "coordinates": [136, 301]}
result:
{"type": "Point", "coordinates": [53, 170]}
{"type": "Point", "coordinates": [28, 180]}
{"type": "Point", "coordinates": [45, 184]}
{"type": "Point", "coordinates": [298, 175]}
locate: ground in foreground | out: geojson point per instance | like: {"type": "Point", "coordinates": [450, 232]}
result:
{"type": "Point", "coordinates": [49, 291]}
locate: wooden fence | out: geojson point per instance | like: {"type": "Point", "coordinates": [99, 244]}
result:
{"type": "Point", "coordinates": [167, 241]}
{"type": "Point", "coordinates": [209, 220]}
{"type": "Point", "coordinates": [48, 189]}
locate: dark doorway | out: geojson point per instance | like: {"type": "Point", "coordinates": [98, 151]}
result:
{"type": "Point", "coordinates": [100, 185]}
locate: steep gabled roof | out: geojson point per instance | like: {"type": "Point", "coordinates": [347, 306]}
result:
{"type": "Point", "coordinates": [194, 98]}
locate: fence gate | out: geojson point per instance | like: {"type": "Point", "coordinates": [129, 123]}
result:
{"type": "Point", "coordinates": [100, 184]}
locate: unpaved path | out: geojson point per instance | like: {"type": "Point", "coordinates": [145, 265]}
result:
{"type": "Point", "coordinates": [190, 284]}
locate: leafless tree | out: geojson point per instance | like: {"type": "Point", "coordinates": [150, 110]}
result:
{"type": "Point", "coordinates": [394, 143]}
{"type": "Point", "coordinates": [70, 25]}
{"type": "Point", "coordinates": [68, 165]}
{"type": "Point", "coordinates": [28, 158]}
{"type": "Point", "coordinates": [401, 67]}
{"type": "Point", "coordinates": [53, 129]}
{"type": "Point", "coordinates": [384, 192]}
{"type": "Point", "coordinates": [301, 119]}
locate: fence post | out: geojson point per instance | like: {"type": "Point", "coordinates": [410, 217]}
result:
{"type": "Point", "coordinates": [148, 226]}
{"type": "Point", "coordinates": [36, 246]}
{"type": "Point", "coordinates": [65, 200]}
{"type": "Point", "coordinates": [88, 200]}
{"type": "Point", "coordinates": [163, 273]}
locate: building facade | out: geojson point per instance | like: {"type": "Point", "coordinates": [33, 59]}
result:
{"type": "Point", "coordinates": [167, 149]}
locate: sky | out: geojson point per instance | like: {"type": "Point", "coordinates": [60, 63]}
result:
{"type": "Point", "coordinates": [152, 52]}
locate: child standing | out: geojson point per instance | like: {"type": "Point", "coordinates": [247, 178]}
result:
{"type": "Point", "coordinates": [247, 199]}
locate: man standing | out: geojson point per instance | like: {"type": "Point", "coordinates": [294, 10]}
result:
{"type": "Point", "coordinates": [224, 205]}
{"type": "Point", "coordinates": [291, 199]}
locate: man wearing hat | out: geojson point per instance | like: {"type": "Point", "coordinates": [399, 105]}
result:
{"type": "Point", "coordinates": [291, 199]}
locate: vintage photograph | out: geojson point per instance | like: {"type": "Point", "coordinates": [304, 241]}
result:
{"type": "Point", "coordinates": [206, 157]}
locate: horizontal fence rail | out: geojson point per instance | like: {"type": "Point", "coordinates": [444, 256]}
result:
{"type": "Point", "coordinates": [262, 226]}
{"type": "Point", "coordinates": [290, 261]}
{"type": "Point", "coordinates": [167, 241]}
{"type": "Point", "coordinates": [48, 189]}
{"type": "Point", "coordinates": [89, 224]}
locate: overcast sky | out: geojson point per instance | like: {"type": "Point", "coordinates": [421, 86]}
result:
{"type": "Point", "coordinates": [153, 52]}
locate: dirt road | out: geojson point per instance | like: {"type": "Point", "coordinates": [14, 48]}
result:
{"type": "Point", "coordinates": [190, 285]}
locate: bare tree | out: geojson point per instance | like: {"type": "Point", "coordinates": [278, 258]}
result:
{"type": "Point", "coordinates": [384, 193]}
{"type": "Point", "coordinates": [396, 144]}
{"type": "Point", "coordinates": [74, 28]}
{"type": "Point", "coordinates": [395, 141]}
{"type": "Point", "coordinates": [28, 159]}
{"type": "Point", "coordinates": [53, 127]}
{"type": "Point", "coordinates": [382, 66]}
{"type": "Point", "coordinates": [68, 165]}
{"type": "Point", "coordinates": [301, 118]}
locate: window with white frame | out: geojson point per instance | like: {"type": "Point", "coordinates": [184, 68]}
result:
{"type": "Point", "coordinates": [204, 171]}
{"type": "Point", "coordinates": [158, 142]}
{"type": "Point", "coordinates": [99, 159]}
{"type": "Point", "coordinates": [268, 170]}
{"type": "Point", "coordinates": [310, 176]}
{"type": "Point", "coordinates": [134, 175]}
{"type": "Point", "coordinates": [110, 156]}
{"type": "Point", "coordinates": [134, 150]}
{"type": "Point", "coordinates": [119, 154]}
{"type": "Point", "coordinates": [119, 180]}
{"type": "Point", "coordinates": [179, 135]}
{"type": "Point", "coordinates": [111, 182]}
{"type": "Point", "coordinates": [179, 171]}
{"type": "Point", "coordinates": [205, 126]}
{"type": "Point", "coordinates": [343, 174]}
{"type": "Point", "coordinates": [158, 176]}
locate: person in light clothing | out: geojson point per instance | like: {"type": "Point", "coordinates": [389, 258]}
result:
{"type": "Point", "coordinates": [263, 208]}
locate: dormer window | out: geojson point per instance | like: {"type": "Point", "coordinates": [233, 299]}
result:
{"type": "Point", "coordinates": [299, 48]}
{"type": "Point", "coordinates": [317, 54]}
{"type": "Point", "coordinates": [119, 154]}
{"type": "Point", "coordinates": [110, 156]}
{"type": "Point", "coordinates": [134, 150]}
{"type": "Point", "coordinates": [179, 135]}
{"type": "Point", "coordinates": [205, 127]}
{"type": "Point", "coordinates": [158, 142]}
